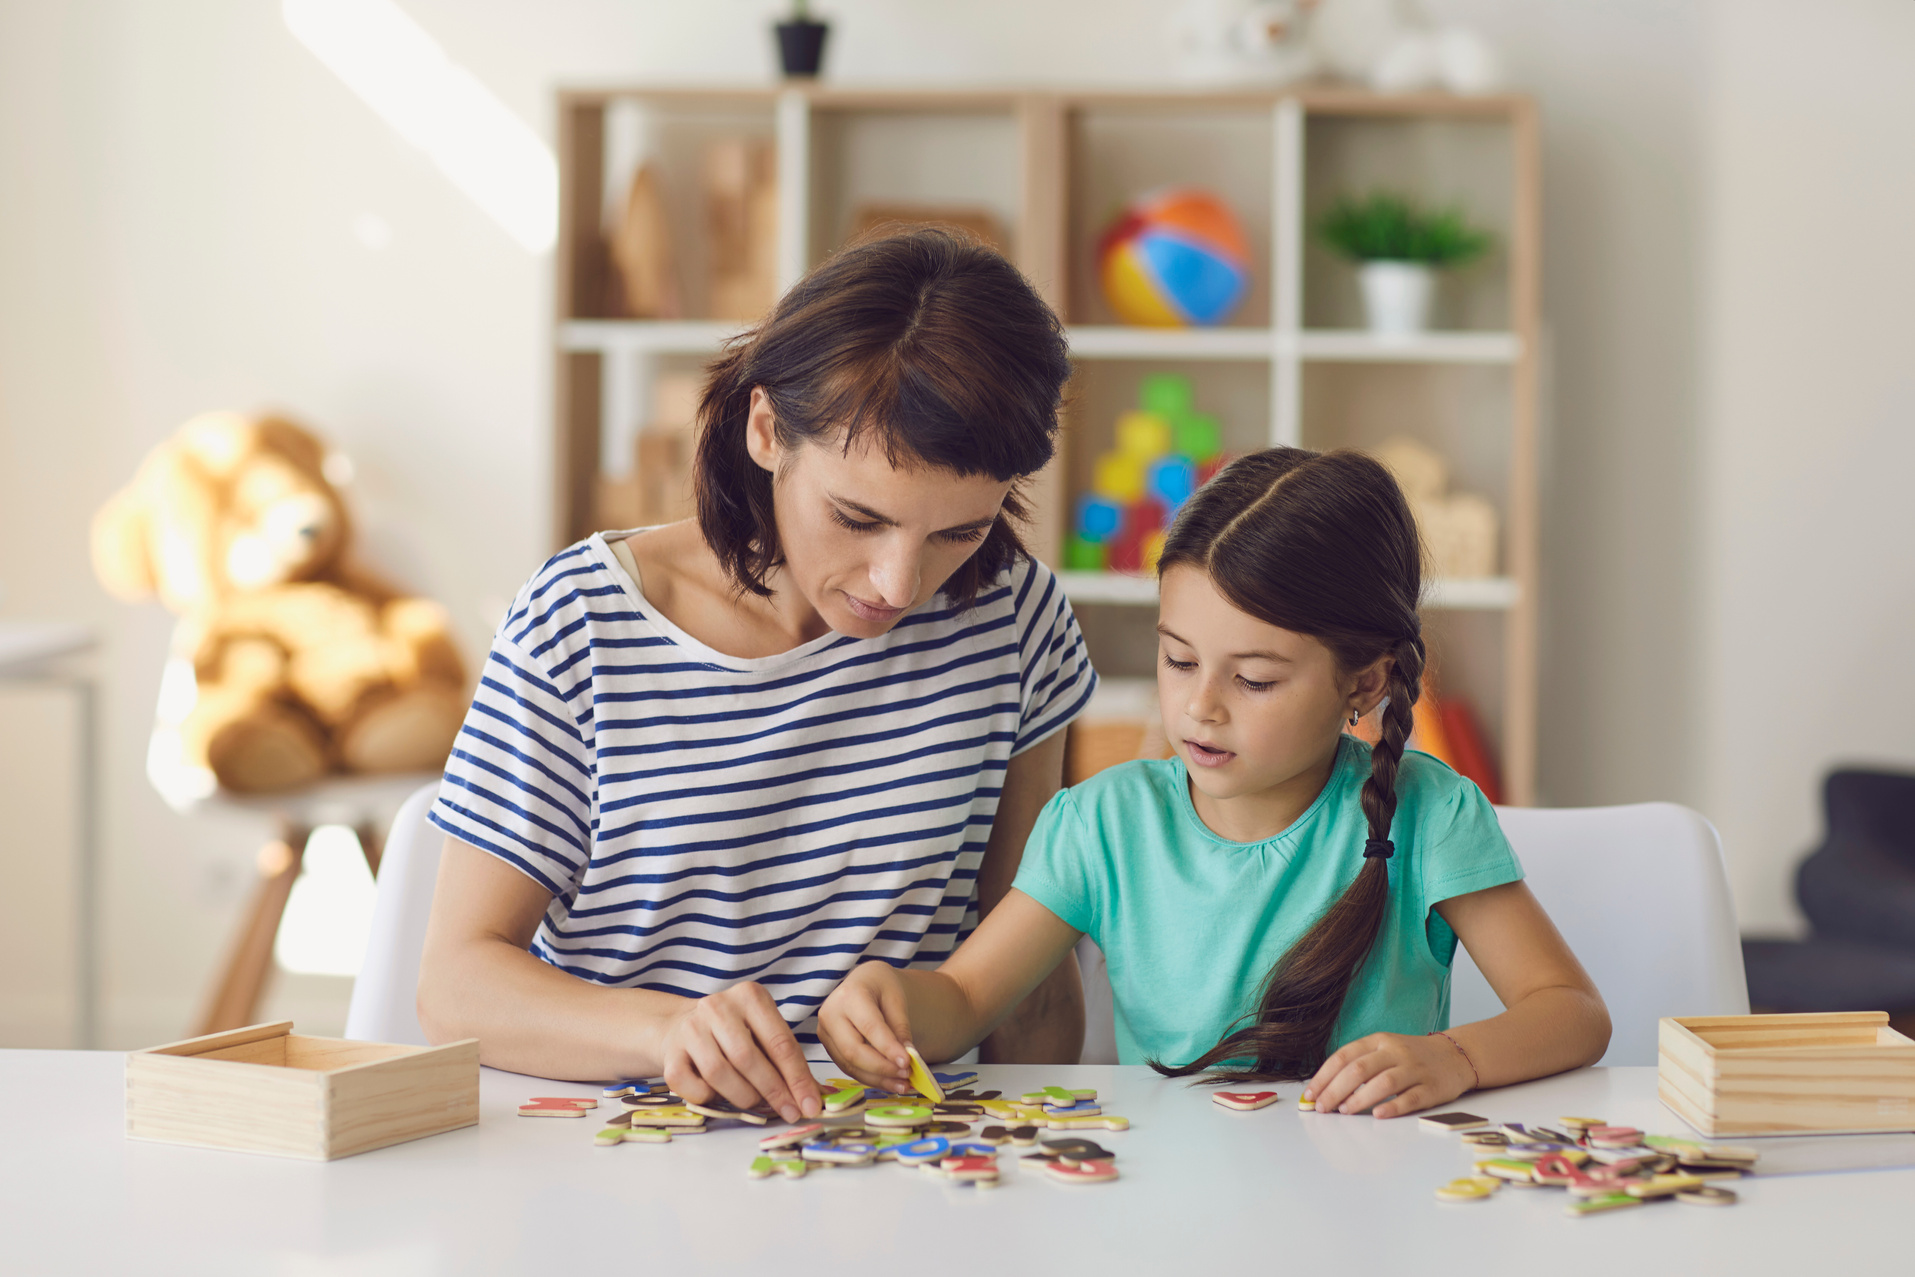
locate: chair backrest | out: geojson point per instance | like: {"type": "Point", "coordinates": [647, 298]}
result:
{"type": "Point", "coordinates": [1640, 893]}
{"type": "Point", "coordinates": [1642, 896]}
{"type": "Point", "coordinates": [1100, 1016]}
{"type": "Point", "coordinates": [384, 997]}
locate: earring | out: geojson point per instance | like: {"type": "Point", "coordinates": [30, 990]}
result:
{"type": "Point", "coordinates": [1353, 717]}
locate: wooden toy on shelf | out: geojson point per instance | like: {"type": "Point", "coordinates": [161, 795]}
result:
{"type": "Point", "coordinates": [644, 284]}
{"type": "Point", "coordinates": [741, 226]}
{"type": "Point", "coordinates": [266, 1089]}
{"type": "Point", "coordinates": [1460, 529]}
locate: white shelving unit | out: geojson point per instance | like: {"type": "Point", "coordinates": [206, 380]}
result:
{"type": "Point", "coordinates": [1296, 364]}
{"type": "Point", "coordinates": [1461, 594]}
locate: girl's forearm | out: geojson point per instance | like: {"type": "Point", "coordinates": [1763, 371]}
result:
{"type": "Point", "coordinates": [1551, 1030]}
{"type": "Point", "coordinates": [532, 1018]}
{"type": "Point", "coordinates": [944, 1022]}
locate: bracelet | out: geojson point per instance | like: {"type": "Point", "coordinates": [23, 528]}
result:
{"type": "Point", "coordinates": [1476, 1079]}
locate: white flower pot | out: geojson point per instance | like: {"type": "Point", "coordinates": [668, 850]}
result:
{"type": "Point", "coordinates": [1396, 296]}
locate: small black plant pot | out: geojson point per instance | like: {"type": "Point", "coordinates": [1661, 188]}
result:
{"type": "Point", "coordinates": [801, 46]}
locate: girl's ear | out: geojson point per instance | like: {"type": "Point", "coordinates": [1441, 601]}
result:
{"type": "Point", "coordinates": [761, 432]}
{"type": "Point", "coordinates": [1368, 686]}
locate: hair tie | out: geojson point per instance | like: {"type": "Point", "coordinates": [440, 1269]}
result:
{"type": "Point", "coordinates": [1379, 847]}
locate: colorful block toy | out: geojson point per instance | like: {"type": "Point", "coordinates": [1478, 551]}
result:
{"type": "Point", "coordinates": [1165, 450]}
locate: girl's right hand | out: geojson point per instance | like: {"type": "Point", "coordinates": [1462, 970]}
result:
{"type": "Point", "coordinates": [865, 1026]}
{"type": "Point", "coordinates": [735, 1044]}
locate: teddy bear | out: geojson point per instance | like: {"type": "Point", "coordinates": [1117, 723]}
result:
{"type": "Point", "coordinates": [299, 662]}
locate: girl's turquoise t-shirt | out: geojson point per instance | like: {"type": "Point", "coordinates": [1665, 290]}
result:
{"type": "Point", "coordinates": [1190, 923]}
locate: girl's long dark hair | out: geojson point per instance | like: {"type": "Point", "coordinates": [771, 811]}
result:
{"type": "Point", "coordinates": [927, 339]}
{"type": "Point", "coordinates": [1320, 544]}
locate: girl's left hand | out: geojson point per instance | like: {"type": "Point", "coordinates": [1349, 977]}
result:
{"type": "Point", "coordinates": [1419, 1072]}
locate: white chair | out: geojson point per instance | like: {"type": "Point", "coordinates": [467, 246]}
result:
{"type": "Point", "coordinates": [384, 997]}
{"type": "Point", "coordinates": [1641, 895]}
{"type": "Point", "coordinates": [1100, 1014]}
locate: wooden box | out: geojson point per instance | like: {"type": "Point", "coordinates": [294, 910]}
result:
{"type": "Point", "coordinates": [1787, 1074]}
{"type": "Point", "coordinates": [266, 1089]}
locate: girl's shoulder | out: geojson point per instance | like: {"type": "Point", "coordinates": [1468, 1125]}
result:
{"type": "Point", "coordinates": [1432, 798]}
{"type": "Point", "coordinates": [1447, 825]}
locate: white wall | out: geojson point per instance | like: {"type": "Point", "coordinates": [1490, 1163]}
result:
{"type": "Point", "coordinates": [1809, 430]}
{"type": "Point", "coordinates": [179, 185]}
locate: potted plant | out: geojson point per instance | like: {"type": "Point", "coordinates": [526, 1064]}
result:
{"type": "Point", "coordinates": [1398, 246]}
{"type": "Point", "coordinates": [801, 41]}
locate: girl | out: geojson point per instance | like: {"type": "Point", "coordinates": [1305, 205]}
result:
{"type": "Point", "coordinates": [712, 765]}
{"type": "Point", "coordinates": [1278, 899]}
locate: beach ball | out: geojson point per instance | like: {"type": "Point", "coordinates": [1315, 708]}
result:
{"type": "Point", "coordinates": [1174, 258]}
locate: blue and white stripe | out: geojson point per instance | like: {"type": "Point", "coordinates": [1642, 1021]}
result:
{"type": "Point", "coordinates": [703, 819]}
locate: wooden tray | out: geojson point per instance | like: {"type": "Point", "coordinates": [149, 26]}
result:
{"type": "Point", "coordinates": [1822, 1074]}
{"type": "Point", "coordinates": [266, 1089]}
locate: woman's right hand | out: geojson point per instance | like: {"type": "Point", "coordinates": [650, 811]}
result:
{"type": "Point", "coordinates": [866, 1026]}
{"type": "Point", "coordinates": [735, 1044]}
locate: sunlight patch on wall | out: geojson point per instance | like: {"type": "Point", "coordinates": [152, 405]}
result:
{"type": "Point", "coordinates": [402, 73]}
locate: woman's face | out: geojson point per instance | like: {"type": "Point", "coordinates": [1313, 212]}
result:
{"type": "Point", "coordinates": [866, 541]}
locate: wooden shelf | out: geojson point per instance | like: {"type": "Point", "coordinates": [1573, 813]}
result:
{"type": "Point", "coordinates": [1112, 341]}
{"type": "Point", "coordinates": [1485, 594]}
{"type": "Point", "coordinates": [1358, 346]}
{"type": "Point", "coordinates": [1109, 587]}
{"type": "Point", "coordinates": [1098, 341]}
{"type": "Point", "coordinates": [1049, 164]}
{"type": "Point", "coordinates": [646, 336]}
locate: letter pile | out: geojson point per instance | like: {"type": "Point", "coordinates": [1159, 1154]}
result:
{"type": "Point", "coordinates": [861, 1126]}
{"type": "Point", "coordinates": [1603, 1167]}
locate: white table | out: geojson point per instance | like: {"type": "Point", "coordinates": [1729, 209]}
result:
{"type": "Point", "coordinates": [1203, 1191]}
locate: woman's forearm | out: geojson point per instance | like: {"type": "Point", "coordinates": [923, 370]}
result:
{"type": "Point", "coordinates": [532, 1018]}
{"type": "Point", "coordinates": [1548, 1031]}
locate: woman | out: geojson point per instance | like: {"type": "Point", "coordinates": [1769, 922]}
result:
{"type": "Point", "coordinates": [712, 766]}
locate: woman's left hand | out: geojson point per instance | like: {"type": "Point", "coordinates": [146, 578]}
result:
{"type": "Point", "coordinates": [1418, 1072]}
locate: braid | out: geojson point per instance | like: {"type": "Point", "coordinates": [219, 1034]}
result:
{"type": "Point", "coordinates": [1405, 686]}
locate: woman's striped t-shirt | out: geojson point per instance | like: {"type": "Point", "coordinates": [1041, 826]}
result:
{"type": "Point", "coordinates": [703, 819]}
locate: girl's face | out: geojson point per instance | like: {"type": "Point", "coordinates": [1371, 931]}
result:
{"type": "Point", "coordinates": [866, 541]}
{"type": "Point", "coordinates": [1253, 710]}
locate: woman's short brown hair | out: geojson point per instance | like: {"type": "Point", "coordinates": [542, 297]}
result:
{"type": "Point", "coordinates": [928, 339]}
